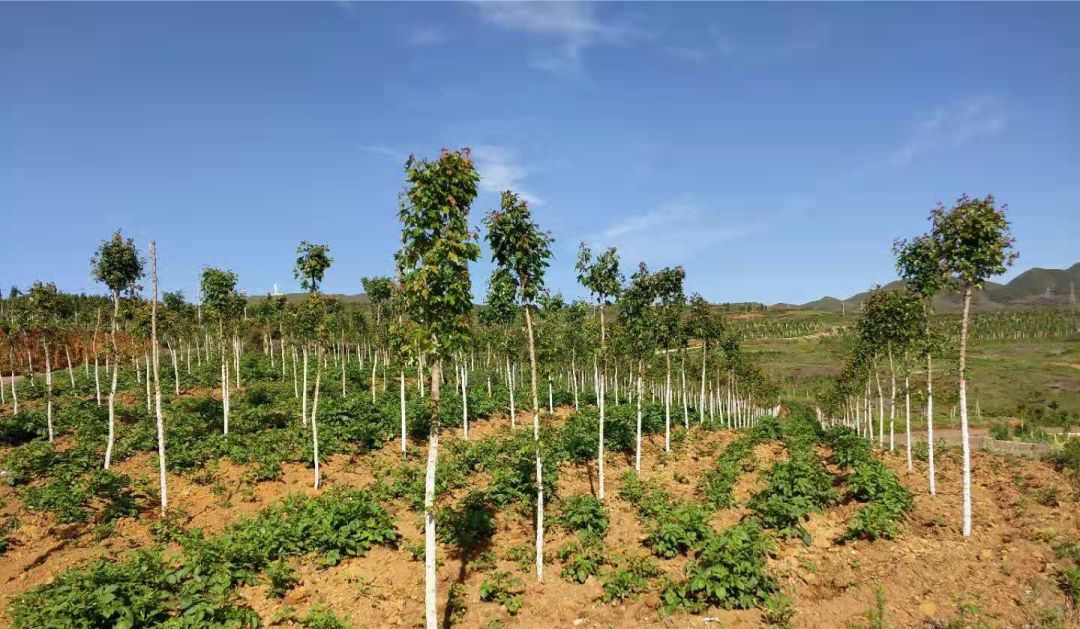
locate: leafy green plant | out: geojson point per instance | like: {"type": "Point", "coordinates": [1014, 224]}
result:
{"type": "Point", "coordinates": [630, 576]}
{"type": "Point", "coordinates": [777, 611]}
{"type": "Point", "coordinates": [281, 578]}
{"type": "Point", "coordinates": [583, 514]}
{"type": "Point", "coordinates": [320, 617]}
{"type": "Point", "coordinates": [797, 487]}
{"type": "Point", "coordinates": [505, 589]}
{"type": "Point", "coordinates": [679, 530]}
{"type": "Point", "coordinates": [582, 558]}
{"type": "Point", "coordinates": [727, 571]}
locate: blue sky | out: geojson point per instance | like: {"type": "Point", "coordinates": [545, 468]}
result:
{"type": "Point", "coordinates": [774, 150]}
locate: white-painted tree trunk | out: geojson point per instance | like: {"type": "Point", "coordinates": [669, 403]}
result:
{"type": "Point", "coordinates": [314, 411]}
{"type": "Point", "coordinates": [964, 413]}
{"type": "Point", "coordinates": [403, 427]}
{"type": "Point", "coordinates": [930, 422]}
{"type": "Point", "coordinates": [157, 380]}
{"type": "Point", "coordinates": [112, 417]}
{"type": "Point", "coordinates": [637, 439]}
{"type": "Point", "coordinates": [48, 391]}
{"type": "Point", "coordinates": [430, 576]}
{"type": "Point", "coordinates": [303, 404]}
{"type": "Point", "coordinates": [536, 442]}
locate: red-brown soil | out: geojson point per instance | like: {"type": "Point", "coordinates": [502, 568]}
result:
{"type": "Point", "coordinates": [1005, 573]}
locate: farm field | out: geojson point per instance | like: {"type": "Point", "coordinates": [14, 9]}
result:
{"type": "Point", "coordinates": [529, 314]}
{"type": "Point", "coordinates": [633, 555]}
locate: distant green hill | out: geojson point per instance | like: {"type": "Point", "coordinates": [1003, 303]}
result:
{"type": "Point", "coordinates": [1034, 287]}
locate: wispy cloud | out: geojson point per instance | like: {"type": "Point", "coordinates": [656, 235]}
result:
{"type": "Point", "coordinates": [570, 27]}
{"type": "Point", "coordinates": [500, 170]}
{"type": "Point", "coordinates": [426, 36]}
{"type": "Point", "coordinates": [672, 234]}
{"type": "Point", "coordinates": [721, 46]}
{"type": "Point", "coordinates": [951, 125]}
{"type": "Point", "coordinates": [383, 151]}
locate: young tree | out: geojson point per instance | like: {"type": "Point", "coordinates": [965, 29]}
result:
{"type": "Point", "coordinates": [379, 291]}
{"type": "Point", "coordinates": [312, 260]}
{"type": "Point", "coordinates": [500, 312]}
{"type": "Point", "coordinates": [668, 289]}
{"type": "Point", "coordinates": [707, 326]}
{"type": "Point", "coordinates": [311, 263]}
{"type": "Point", "coordinates": [919, 264]}
{"type": "Point", "coordinates": [524, 252]}
{"type": "Point", "coordinates": [638, 324]}
{"type": "Point", "coordinates": [44, 304]}
{"type": "Point", "coordinates": [603, 280]}
{"type": "Point", "coordinates": [117, 265]}
{"type": "Point", "coordinates": [433, 264]}
{"type": "Point", "coordinates": [974, 243]}
{"type": "Point", "coordinates": [157, 377]}
{"type": "Point", "coordinates": [223, 302]}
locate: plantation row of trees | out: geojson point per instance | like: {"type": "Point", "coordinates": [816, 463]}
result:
{"type": "Point", "coordinates": [967, 244]}
{"type": "Point", "coordinates": [640, 339]}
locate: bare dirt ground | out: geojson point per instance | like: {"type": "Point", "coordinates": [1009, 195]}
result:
{"type": "Point", "coordinates": [1004, 574]}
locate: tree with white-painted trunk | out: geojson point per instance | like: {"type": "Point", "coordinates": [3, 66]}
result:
{"type": "Point", "coordinates": [524, 251]}
{"type": "Point", "coordinates": [225, 305]}
{"type": "Point", "coordinates": [601, 276]}
{"type": "Point", "coordinates": [708, 327]}
{"type": "Point", "coordinates": [500, 315]}
{"type": "Point", "coordinates": [919, 264]}
{"type": "Point", "coordinates": [974, 243]}
{"type": "Point", "coordinates": [637, 324]}
{"type": "Point", "coordinates": [667, 286]}
{"type": "Point", "coordinates": [433, 264]}
{"type": "Point", "coordinates": [312, 261]}
{"type": "Point", "coordinates": [118, 266]}
{"type": "Point", "coordinates": [157, 378]}
{"type": "Point", "coordinates": [44, 314]}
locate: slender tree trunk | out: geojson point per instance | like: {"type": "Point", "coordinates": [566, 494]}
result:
{"type": "Point", "coordinates": [175, 368]}
{"type": "Point", "coordinates": [930, 422]}
{"type": "Point", "coordinates": [667, 403]}
{"type": "Point", "coordinates": [402, 411]}
{"type": "Point", "coordinates": [430, 577]}
{"type": "Point", "coordinates": [907, 416]}
{"type": "Point", "coordinates": [112, 417]}
{"type": "Point", "coordinates": [303, 404]}
{"type": "Point", "coordinates": [892, 403]}
{"type": "Point", "coordinates": [964, 412]}
{"type": "Point", "coordinates": [157, 380]}
{"type": "Point", "coordinates": [536, 442]}
{"type": "Point", "coordinates": [71, 374]}
{"type": "Point", "coordinates": [463, 380]}
{"type": "Point", "coordinates": [314, 412]}
{"type": "Point", "coordinates": [510, 387]}
{"type": "Point", "coordinates": [701, 398]}
{"type": "Point", "coordinates": [640, 394]}
{"type": "Point", "coordinates": [48, 390]}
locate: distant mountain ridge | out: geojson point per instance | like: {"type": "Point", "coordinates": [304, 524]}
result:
{"type": "Point", "coordinates": [1034, 287]}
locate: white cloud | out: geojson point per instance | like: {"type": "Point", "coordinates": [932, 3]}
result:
{"type": "Point", "coordinates": [426, 36]}
{"type": "Point", "coordinates": [952, 125]}
{"type": "Point", "coordinates": [719, 45]}
{"type": "Point", "coordinates": [672, 234]}
{"type": "Point", "coordinates": [500, 170]}
{"type": "Point", "coordinates": [383, 151]}
{"type": "Point", "coordinates": [573, 27]}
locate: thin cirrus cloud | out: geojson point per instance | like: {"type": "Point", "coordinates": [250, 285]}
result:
{"type": "Point", "coordinates": [672, 234]}
{"type": "Point", "coordinates": [570, 28]}
{"type": "Point", "coordinates": [500, 169]}
{"type": "Point", "coordinates": [426, 36]}
{"type": "Point", "coordinates": [720, 46]}
{"type": "Point", "coordinates": [951, 125]}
